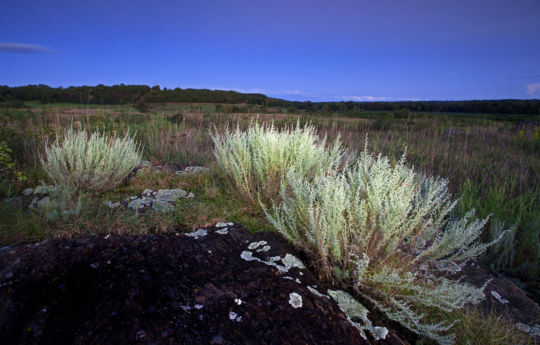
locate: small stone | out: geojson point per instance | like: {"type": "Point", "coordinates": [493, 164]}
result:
{"type": "Point", "coordinates": [95, 265]}
{"type": "Point", "coordinates": [28, 191]}
{"type": "Point", "coordinates": [190, 195]}
{"type": "Point", "coordinates": [139, 203]}
{"type": "Point", "coordinates": [111, 204]}
{"type": "Point", "coordinates": [223, 231]}
{"type": "Point", "coordinates": [162, 206]}
{"type": "Point", "coordinates": [147, 192]}
{"type": "Point", "coordinates": [170, 194]}
{"type": "Point", "coordinates": [144, 164]}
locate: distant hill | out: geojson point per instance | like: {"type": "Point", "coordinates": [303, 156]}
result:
{"type": "Point", "coordinates": [129, 94]}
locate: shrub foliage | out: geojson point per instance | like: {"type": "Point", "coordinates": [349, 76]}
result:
{"type": "Point", "coordinates": [95, 162]}
{"type": "Point", "coordinates": [382, 227]}
{"type": "Point", "coordinates": [257, 160]}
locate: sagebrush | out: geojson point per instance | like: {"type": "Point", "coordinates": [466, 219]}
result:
{"type": "Point", "coordinates": [387, 230]}
{"type": "Point", "coordinates": [257, 160]}
{"type": "Point", "coordinates": [94, 162]}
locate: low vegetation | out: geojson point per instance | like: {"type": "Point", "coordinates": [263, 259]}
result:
{"type": "Point", "coordinates": [94, 163]}
{"type": "Point", "coordinates": [257, 160]}
{"type": "Point", "coordinates": [347, 217]}
{"type": "Point", "coordinates": [383, 228]}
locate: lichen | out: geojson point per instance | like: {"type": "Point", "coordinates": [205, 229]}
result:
{"type": "Point", "coordinates": [316, 292]}
{"type": "Point", "coordinates": [198, 234]}
{"type": "Point", "coordinates": [295, 300]}
{"type": "Point", "coordinates": [498, 297]}
{"type": "Point", "coordinates": [289, 261]}
{"type": "Point", "coordinates": [352, 308]}
{"type": "Point", "coordinates": [255, 245]}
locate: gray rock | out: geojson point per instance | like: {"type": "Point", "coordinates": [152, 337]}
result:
{"type": "Point", "coordinates": [144, 164]}
{"type": "Point", "coordinates": [28, 191]}
{"type": "Point", "coordinates": [170, 194]}
{"type": "Point", "coordinates": [191, 170]}
{"type": "Point", "coordinates": [147, 192]}
{"type": "Point", "coordinates": [139, 203]}
{"type": "Point", "coordinates": [190, 195]}
{"type": "Point", "coordinates": [162, 206]}
{"type": "Point", "coordinates": [44, 203]}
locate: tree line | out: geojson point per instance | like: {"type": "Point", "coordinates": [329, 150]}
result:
{"type": "Point", "coordinates": [141, 94]}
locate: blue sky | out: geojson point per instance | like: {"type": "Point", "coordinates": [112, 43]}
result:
{"type": "Point", "coordinates": [294, 49]}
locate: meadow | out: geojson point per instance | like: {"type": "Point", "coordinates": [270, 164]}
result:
{"type": "Point", "coordinates": [491, 162]}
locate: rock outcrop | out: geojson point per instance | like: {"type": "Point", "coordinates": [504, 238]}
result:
{"type": "Point", "coordinates": [220, 285]}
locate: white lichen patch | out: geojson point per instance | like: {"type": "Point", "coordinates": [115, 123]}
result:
{"type": "Point", "coordinates": [288, 278]}
{"type": "Point", "coordinates": [198, 234]}
{"type": "Point", "coordinates": [255, 245]}
{"type": "Point", "coordinates": [234, 317]}
{"type": "Point", "coordinates": [289, 261]}
{"type": "Point", "coordinates": [498, 297]}
{"type": "Point", "coordinates": [223, 231]}
{"type": "Point", "coordinates": [198, 306]}
{"type": "Point", "coordinates": [298, 281]}
{"type": "Point", "coordinates": [295, 300]}
{"type": "Point", "coordinates": [316, 292]}
{"type": "Point", "coordinates": [223, 224]}
{"type": "Point", "coordinates": [352, 308]}
{"type": "Point", "coordinates": [532, 330]}
{"type": "Point", "coordinates": [263, 249]}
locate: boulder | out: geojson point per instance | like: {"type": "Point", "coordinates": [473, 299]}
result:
{"type": "Point", "coordinates": [223, 287]}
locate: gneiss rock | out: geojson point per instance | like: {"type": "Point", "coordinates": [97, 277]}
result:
{"type": "Point", "coordinates": [191, 170]}
{"type": "Point", "coordinates": [504, 297]}
{"type": "Point", "coordinates": [158, 289]}
{"type": "Point", "coordinates": [170, 194]}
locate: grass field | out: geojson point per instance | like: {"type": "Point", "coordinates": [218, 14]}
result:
{"type": "Point", "coordinates": [492, 163]}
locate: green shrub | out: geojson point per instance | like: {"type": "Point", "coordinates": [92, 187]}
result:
{"type": "Point", "coordinates": [387, 230]}
{"type": "Point", "coordinates": [90, 163]}
{"type": "Point", "coordinates": [258, 159]}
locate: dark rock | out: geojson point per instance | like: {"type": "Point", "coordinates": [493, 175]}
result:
{"type": "Point", "coordinates": [502, 295]}
{"type": "Point", "coordinates": [163, 290]}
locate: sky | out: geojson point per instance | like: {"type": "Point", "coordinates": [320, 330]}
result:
{"type": "Point", "coordinates": [293, 49]}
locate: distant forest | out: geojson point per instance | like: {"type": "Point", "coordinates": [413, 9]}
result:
{"type": "Point", "coordinates": [143, 94]}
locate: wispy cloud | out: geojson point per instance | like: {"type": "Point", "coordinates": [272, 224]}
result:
{"type": "Point", "coordinates": [367, 98]}
{"type": "Point", "coordinates": [533, 89]}
{"type": "Point", "coordinates": [13, 47]}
